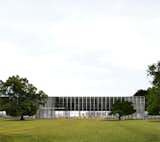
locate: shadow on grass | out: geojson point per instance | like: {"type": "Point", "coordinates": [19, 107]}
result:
{"type": "Point", "coordinates": [17, 120]}
{"type": "Point", "coordinates": [112, 120]}
{"type": "Point", "coordinates": [154, 121]}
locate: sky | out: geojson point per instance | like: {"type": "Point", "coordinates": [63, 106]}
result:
{"type": "Point", "coordinates": [80, 47]}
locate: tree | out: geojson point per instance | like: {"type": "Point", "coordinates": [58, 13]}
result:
{"type": "Point", "coordinates": [153, 99]}
{"type": "Point", "coordinates": [122, 108]}
{"type": "Point", "coordinates": [22, 97]}
{"type": "Point", "coordinates": [154, 72]}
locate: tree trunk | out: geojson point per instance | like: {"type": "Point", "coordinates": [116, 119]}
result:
{"type": "Point", "coordinates": [119, 117]}
{"type": "Point", "coordinates": [22, 118]}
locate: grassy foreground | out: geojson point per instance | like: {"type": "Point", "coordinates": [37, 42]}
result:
{"type": "Point", "coordinates": [80, 131]}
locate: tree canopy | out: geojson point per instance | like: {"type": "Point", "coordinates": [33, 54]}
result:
{"type": "Point", "coordinates": [153, 101]}
{"type": "Point", "coordinates": [141, 92]}
{"type": "Point", "coordinates": [21, 97]}
{"type": "Point", "coordinates": [153, 97]}
{"type": "Point", "coordinates": [154, 73]}
{"type": "Point", "coordinates": [122, 108]}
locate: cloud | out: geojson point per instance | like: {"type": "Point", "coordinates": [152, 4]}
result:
{"type": "Point", "coordinates": [79, 48]}
{"type": "Point", "coordinates": [119, 36]}
{"type": "Point", "coordinates": [11, 57]}
{"type": "Point", "coordinates": [53, 73]}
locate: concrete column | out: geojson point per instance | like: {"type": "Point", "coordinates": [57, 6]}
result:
{"type": "Point", "coordinates": [63, 101]}
{"type": "Point", "coordinates": [109, 103]}
{"type": "Point", "coordinates": [102, 103]}
{"type": "Point", "coordinates": [66, 102]}
{"type": "Point", "coordinates": [98, 103]}
{"type": "Point", "coordinates": [79, 107]}
{"type": "Point", "coordinates": [82, 103]}
{"type": "Point", "coordinates": [90, 106]}
{"type": "Point", "coordinates": [70, 103]}
{"type": "Point", "coordinates": [75, 104]}
{"type": "Point", "coordinates": [105, 103]}
{"type": "Point", "coordinates": [86, 103]}
{"type": "Point", "coordinates": [52, 107]}
{"type": "Point", "coordinates": [94, 106]}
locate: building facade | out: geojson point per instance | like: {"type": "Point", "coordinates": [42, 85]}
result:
{"type": "Point", "coordinates": [86, 107]}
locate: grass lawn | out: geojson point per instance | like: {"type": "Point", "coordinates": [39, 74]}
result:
{"type": "Point", "coordinates": [80, 131]}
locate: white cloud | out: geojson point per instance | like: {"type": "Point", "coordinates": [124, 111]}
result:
{"type": "Point", "coordinates": [50, 72]}
{"type": "Point", "coordinates": [97, 32]}
{"type": "Point", "coordinates": [119, 35]}
{"type": "Point", "coordinates": [78, 49]}
{"type": "Point", "coordinates": [9, 56]}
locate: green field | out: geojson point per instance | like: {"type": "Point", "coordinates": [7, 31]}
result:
{"type": "Point", "coordinates": [80, 131]}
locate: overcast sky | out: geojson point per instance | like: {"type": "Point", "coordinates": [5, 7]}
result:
{"type": "Point", "coordinates": [80, 47]}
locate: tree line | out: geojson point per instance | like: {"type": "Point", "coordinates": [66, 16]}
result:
{"type": "Point", "coordinates": [20, 98]}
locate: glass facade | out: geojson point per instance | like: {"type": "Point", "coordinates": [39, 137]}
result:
{"type": "Point", "coordinates": [62, 106]}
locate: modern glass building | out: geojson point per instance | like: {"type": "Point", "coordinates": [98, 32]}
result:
{"type": "Point", "coordinates": [86, 107]}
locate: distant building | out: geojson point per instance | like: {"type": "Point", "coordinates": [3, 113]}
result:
{"type": "Point", "coordinates": [86, 107]}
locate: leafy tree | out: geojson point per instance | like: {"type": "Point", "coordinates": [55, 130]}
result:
{"type": "Point", "coordinates": [153, 101]}
{"type": "Point", "coordinates": [122, 108]}
{"type": "Point", "coordinates": [2, 102]}
{"type": "Point", "coordinates": [22, 97]}
{"type": "Point", "coordinates": [154, 72]}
